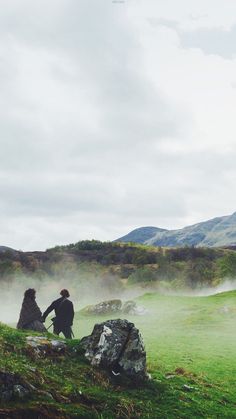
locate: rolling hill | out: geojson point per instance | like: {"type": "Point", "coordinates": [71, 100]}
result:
{"type": "Point", "coordinates": [217, 232]}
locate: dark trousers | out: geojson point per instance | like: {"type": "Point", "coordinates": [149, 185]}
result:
{"type": "Point", "coordinates": [66, 330]}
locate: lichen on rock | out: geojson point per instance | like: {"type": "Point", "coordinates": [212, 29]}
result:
{"type": "Point", "coordinates": [41, 346]}
{"type": "Point", "coordinates": [117, 346]}
{"type": "Point", "coordinates": [105, 307]}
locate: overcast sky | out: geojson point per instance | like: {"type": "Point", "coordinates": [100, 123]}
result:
{"type": "Point", "coordinates": [114, 115]}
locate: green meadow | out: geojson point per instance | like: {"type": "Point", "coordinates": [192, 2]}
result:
{"type": "Point", "coordinates": [191, 353]}
{"type": "Point", "coordinates": [190, 344]}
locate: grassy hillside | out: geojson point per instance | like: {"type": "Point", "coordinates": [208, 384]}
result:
{"type": "Point", "coordinates": [66, 386]}
{"type": "Point", "coordinates": [189, 341]}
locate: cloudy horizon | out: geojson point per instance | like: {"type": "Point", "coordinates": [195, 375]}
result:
{"type": "Point", "coordinates": [114, 115]}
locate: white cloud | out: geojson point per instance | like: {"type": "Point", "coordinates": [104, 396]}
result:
{"type": "Point", "coordinates": [108, 122]}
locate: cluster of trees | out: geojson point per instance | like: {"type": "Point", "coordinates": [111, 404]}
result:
{"type": "Point", "coordinates": [191, 268]}
{"type": "Point", "coordinates": [110, 263]}
{"type": "Point", "coordinates": [108, 253]}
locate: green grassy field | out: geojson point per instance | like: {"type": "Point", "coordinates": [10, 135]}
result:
{"type": "Point", "coordinates": [189, 341]}
{"type": "Point", "coordinates": [191, 347]}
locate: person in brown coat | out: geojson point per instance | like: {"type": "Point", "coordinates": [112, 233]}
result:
{"type": "Point", "coordinates": [30, 314]}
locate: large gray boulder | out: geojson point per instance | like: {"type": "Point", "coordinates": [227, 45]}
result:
{"type": "Point", "coordinates": [117, 346]}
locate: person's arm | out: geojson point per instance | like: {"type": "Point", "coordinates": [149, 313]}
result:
{"type": "Point", "coordinates": [49, 309]}
{"type": "Point", "coordinates": [72, 313]}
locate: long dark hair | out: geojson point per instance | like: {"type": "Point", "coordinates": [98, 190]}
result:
{"type": "Point", "coordinates": [30, 293]}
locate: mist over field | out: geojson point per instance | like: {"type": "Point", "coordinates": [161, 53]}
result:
{"type": "Point", "coordinates": [189, 339]}
{"type": "Point", "coordinates": [84, 289]}
{"type": "Point", "coordinates": [226, 285]}
{"type": "Point", "coordinates": [84, 292]}
{"type": "Point", "coordinates": [46, 291]}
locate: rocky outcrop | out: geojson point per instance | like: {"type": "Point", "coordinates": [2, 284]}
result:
{"type": "Point", "coordinates": [41, 346]}
{"type": "Point", "coordinates": [114, 307]}
{"type": "Point", "coordinates": [117, 346]}
{"type": "Point", "coordinates": [105, 307]}
{"type": "Point", "coordinates": [114, 345]}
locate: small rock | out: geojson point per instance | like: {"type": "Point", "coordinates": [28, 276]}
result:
{"type": "Point", "coordinates": [189, 388]}
{"type": "Point", "coordinates": [32, 369]}
{"type": "Point", "coordinates": [58, 345]}
{"type": "Point", "coordinates": [130, 307]}
{"type": "Point", "coordinates": [169, 376]}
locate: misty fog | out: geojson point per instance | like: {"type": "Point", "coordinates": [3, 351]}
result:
{"type": "Point", "coordinates": [83, 292]}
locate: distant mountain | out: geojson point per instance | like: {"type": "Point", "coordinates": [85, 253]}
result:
{"type": "Point", "coordinates": [217, 232]}
{"type": "Point", "coordinates": [141, 235]}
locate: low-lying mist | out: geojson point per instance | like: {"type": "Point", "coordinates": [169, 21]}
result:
{"type": "Point", "coordinates": [85, 290]}
{"type": "Point", "coordinates": [226, 285]}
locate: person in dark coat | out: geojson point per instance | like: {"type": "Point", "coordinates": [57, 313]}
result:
{"type": "Point", "coordinates": [64, 312]}
{"type": "Point", "coordinates": [30, 314]}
